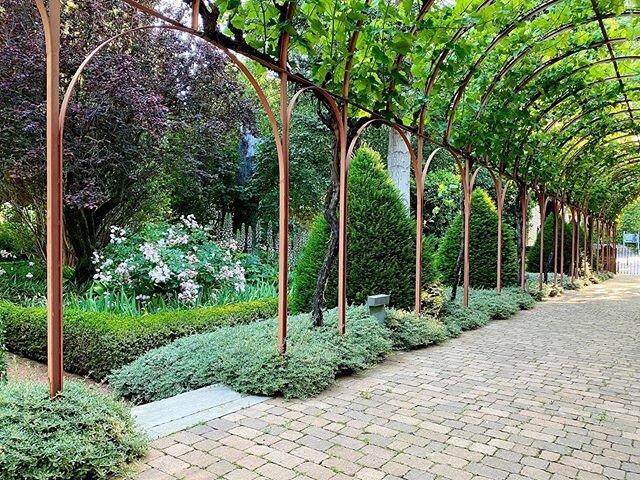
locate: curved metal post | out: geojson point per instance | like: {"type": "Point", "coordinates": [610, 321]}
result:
{"type": "Point", "coordinates": [573, 246]}
{"type": "Point", "coordinates": [342, 232]}
{"type": "Point", "coordinates": [609, 268]}
{"type": "Point", "coordinates": [555, 243]}
{"type": "Point", "coordinates": [615, 248]}
{"type": "Point", "coordinates": [195, 14]}
{"type": "Point", "coordinates": [576, 265]}
{"type": "Point", "coordinates": [501, 191]}
{"type": "Point", "coordinates": [467, 221]}
{"type": "Point", "coordinates": [421, 177]}
{"type": "Point", "coordinates": [585, 220]}
{"type": "Point", "coordinates": [597, 254]}
{"type": "Point", "coordinates": [562, 244]}
{"type": "Point", "coordinates": [591, 231]}
{"type": "Point", "coordinates": [283, 220]}
{"type": "Point", "coordinates": [524, 208]}
{"type": "Point", "coordinates": [283, 191]}
{"type": "Point", "coordinates": [280, 141]}
{"type": "Point", "coordinates": [55, 240]}
{"type": "Point", "coordinates": [542, 202]}
{"type": "Point", "coordinates": [467, 180]}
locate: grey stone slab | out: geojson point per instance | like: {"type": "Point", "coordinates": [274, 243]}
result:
{"type": "Point", "coordinates": [177, 413]}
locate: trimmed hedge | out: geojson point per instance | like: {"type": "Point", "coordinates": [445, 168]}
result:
{"type": "Point", "coordinates": [246, 358]}
{"type": "Point", "coordinates": [96, 343]}
{"type": "Point", "coordinates": [381, 243]}
{"type": "Point", "coordinates": [483, 246]}
{"type": "Point", "coordinates": [83, 434]}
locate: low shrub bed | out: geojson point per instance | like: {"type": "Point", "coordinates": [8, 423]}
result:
{"type": "Point", "coordinates": [96, 343]}
{"type": "Point", "coordinates": [246, 358]}
{"type": "Point", "coordinates": [486, 305]}
{"type": "Point", "coordinates": [409, 331]}
{"type": "Point", "coordinates": [3, 355]}
{"type": "Point", "coordinates": [81, 435]}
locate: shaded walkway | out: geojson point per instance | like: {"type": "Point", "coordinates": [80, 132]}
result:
{"type": "Point", "coordinates": [553, 393]}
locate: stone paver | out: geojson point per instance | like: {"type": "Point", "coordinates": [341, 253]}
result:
{"type": "Point", "coordinates": [553, 393]}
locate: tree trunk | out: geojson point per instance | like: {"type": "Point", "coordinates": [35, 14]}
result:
{"type": "Point", "coordinates": [399, 165]}
{"type": "Point", "coordinates": [331, 215]}
{"type": "Point", "coordinates": [82, 237]}
{"type": "Point", "coordinates": [83, 229]}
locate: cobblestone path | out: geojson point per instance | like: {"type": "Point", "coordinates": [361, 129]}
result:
{"type": "Point", "coordinates": [553, 393]}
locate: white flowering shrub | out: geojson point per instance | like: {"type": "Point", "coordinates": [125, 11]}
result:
{"type": "Point", "coordinates": [183, 261]}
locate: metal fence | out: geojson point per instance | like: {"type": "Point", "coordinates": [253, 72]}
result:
{"type": "Point", "coordinates": [628, 260]}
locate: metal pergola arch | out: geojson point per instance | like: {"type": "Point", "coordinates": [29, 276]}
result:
{"type": "Point", "coordinates": [340, 104]}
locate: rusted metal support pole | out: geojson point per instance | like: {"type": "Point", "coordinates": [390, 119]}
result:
{"type": "Point", "coordinates": [605, 264]}
{"type": "Point", "coordinates": [595, 236]}
{"type": "Point", "coordinates": [562, 244]}
{"type": "Point", "coordinates": [605, 241]}
{"type": "Point", "coordinates": [576, 265]}
{"type": "Point", "coordinates": [421, 176]}
{"type": "Point", "coordinates": [524, 206]}
{"type": "Point", "coordinates": [591, 232]}
{"type": "Point", "coordinates": [466, 177]}
{"type": "Point", "coordinates": [615, 248]}
{"type": "Point", "coordinates": [585, 219]}
{"type": "Point", "coordinates": [499, 199]}
{"type": "Point", "coordinates": [501, 190]}
{"type": "Point", "coordinates": [419, 225]}
{"type": "Point", "coordinates": [342, 226]}
{"type": "Point", "coordinates": [195, 15]}
{"type": "Point", "coordinates": [600, 245]}
{"type": "Point", "coordinates": [554, 207]}
{"type": "Point", "coordinates": [542, 203]}
{"type": "Point", "coordinates": [283, 201]}
{"type": "Point", "coordinates": [55, 244]}
{"type": "Point", "coordinates": [609, 248]}
{"type": "Point", "coordinates": [573, 246]}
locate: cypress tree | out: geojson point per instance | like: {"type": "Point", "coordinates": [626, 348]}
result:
{"type": "Point", "coordinates": [483, 246]}
{"type": "Point", "coordinates": [380, 239]}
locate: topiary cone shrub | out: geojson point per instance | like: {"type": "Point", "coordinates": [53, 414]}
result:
{"type": "Point", "coordinates": [381, 243]}
{"type": "Point", "coordinates": [533, 252]}
{"type": "Point", "coordinates": [483, 246]}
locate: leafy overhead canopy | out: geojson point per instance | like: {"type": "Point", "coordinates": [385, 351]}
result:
{"type": "Point", "coordinates": [545, 90]}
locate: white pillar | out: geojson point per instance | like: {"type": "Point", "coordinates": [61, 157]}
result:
{"type": "Point", "coordinates": [399, 164]}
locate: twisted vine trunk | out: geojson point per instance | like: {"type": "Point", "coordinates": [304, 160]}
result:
{"type": "Point", "coordinates": [331, 215]}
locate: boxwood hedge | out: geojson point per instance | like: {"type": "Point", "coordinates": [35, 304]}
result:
{"type": "Point", "coordinates": [96, 343]}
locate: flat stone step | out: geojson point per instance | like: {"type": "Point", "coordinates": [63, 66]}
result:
{"type": "Point", "coordinates": [171, 415]}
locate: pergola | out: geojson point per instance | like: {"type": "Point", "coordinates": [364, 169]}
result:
{"type": "Point", "coordinates": [542, 94]}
